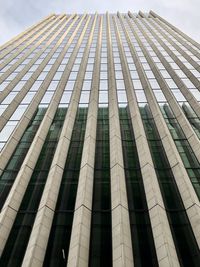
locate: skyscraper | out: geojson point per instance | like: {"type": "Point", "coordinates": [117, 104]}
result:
{"type": "Point", "coordinates": [100, 149]}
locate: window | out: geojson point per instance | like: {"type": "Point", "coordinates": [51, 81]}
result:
{"type": "Point", "coordinates": [120, 84]}
{"type": "Point", "coordinates": [9, 98]}
{"type": "Point", "coordinates": [7, 131]}
{"type": "Point", "coordinates": [140, 96]}
{"type": "Point", "coordinates": [137, 84]}
{"type": "Point", "coordinates": [85, 95]}
{"type": "Point", "coordinates": [121, 96]}
{"type": "Point", "coordinates": [19, 112]}
{"type": "Point", "coordinates": [3, 85]}
{"type": "Point", "coordinates": [159, 96]}
{"type": "Point", "coordinates": [103, 97]}
{"type": "Point", "coordinates": [178, 95]}
{"type": "Point", "coordinates": [27, 99]}
{"type": "Point", "coordinates": [47, 98]}
{"type": "Point", "coordinates": [66, 97]}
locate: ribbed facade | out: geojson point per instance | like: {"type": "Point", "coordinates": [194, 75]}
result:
{"type": "Point", "coordinates": [100, 143]}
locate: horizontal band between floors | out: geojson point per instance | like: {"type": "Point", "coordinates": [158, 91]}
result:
{"type": "Point", "coordinates": [110, 210]}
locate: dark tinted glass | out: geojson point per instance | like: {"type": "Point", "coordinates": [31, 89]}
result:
{"type": "Point", "coordinates": [59, 239]}
{"type": "Point", "coordinates": [142, 239]}
{"type": "Point", "coordinates": [8, 176]}
{"type": "Point", "coordinates": [18, 239]}
{"type": "Point", "coordinates": [101, 232]}
{"type": "Point", "coordinates": [182, 233]}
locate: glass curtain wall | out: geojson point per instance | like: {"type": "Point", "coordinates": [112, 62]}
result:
{"type": "Point", "coordinates": [18, 239]}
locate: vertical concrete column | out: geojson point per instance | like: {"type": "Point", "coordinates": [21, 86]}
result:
{"type": "Point", "coordinates": [178, 112]}
{"type": "Point", "coordinates": [19, 130]}
{"type": "Point", "coordinates": [184, 43]}
{"type": "Point", "coordinates": [165, 248]}
{"type": "Point", "coordinates": [41, 34]}
{"type": "Point", "coordinates": [185, 36]}
{"type": "Point", "coordinates": [17, 40]}
{"type": "Point", "coordinates": [80, 236]}
{"type": "Point", "coordinates": [58, 27]}
{"type": "Point", "coordinates": [189, 197]}
{"type": "Point", "coordinates": [5, 116]}
{"type": "Point", "coordinates": [13, 201]}
{"type": "Point", "coordinates": [176, 59]}
{"type": "Point", "coordinates": [183, 88]}
{"type": "Point", "coordinates": [121, 233]}
{"type": "Point", "coordinates": [157, 24]}
{"type": "Point", "coordinates": [25, 37]}
{"type": "Point", "coordinates": [39, 237]}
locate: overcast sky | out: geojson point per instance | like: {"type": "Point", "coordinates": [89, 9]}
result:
{"type": "Point", "coordinates": [17, 15]}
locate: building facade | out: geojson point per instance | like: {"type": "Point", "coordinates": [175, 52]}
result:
{"type": "Point", "coordinates": [100, 149]}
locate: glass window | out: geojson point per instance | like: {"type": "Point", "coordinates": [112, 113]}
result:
{"type": "Point", "coordinates": [118, 74]}
{"type": "Point", "coordinates": [134, 75]}
{"type": "Point", "coordinates": [188, 83]}
{"type": "Point", "coordinates": [3, 85]}
{"type": "Point", "coordinates": [29, 96]}
{"type": "Point", "coordinates": [12, 76]}
{"type": "Point", "coordinates": [103, 97]}
{"type": "Point", "coordinates": [178, 95]}
{"type": "Point", "coordinates": [7, 131]}
{"type": "Point", "coordinates": [154, 84]}
{"type": "Point", "coordinates": [137, 84]}
{"type": "Point", "coordinates": [103, 85]}
{"type": "Point", "coordinates": [73, 75]}
{"type": "Point", "coordinates": [47, 68]}
{"type": "Point", "coordinates": [195, 93]}
{"type": "Point", "coordinates": [53, 85]}
{"type": "Point", "coordinates": [19, 112]}
{"type": "Point", "coordinates": [70, 86]}
{"type": "Point", "coordinates": [121, 96]}
{"type": "Point", "coordinates": [9, 98]}
{"type": "Point", "coordinates": [66, 97]}
{"type": "Point", "coordinates": [132, 66]}
{"type": "Point", "coordinates": [86, 85]}
{"type": "Point", "coordinates": [88, 75]}
{"type": "Point", "coordinates": [104, 67]}
{"type": "Point", "coordinates": [149, 74]}
{"type": "Point", "coordinates": [180, 73]}
{"type": "Point", "coordinates": [57, 75]}
{"type": "Point", "coordinates": [90, 67]}
{"type": "Point", "coordinates": [47, 98]}
{"type": "Point", "coordinates": [140, 96]}
{"type": "Point", "coordinates": [36, 86]}
{"type": "Point", "coordinates": [171, 83]}
{"type": "Point", "coordinates": [2, 108]}
{"type": "Point", "coordinates": [103, 75]}
{"type": "Point", "coordinates": [75, 68]}
{"type": "Point", "coordinates": [27, 76]}
{"type": "Point", "coordinates": [159, 96]}
{"type": "Point", "coordinates": [165, 74]}
{"type": "Point", "coordinates": [85, 95]}
{"type": "Point", "coordinates": [120, 84]}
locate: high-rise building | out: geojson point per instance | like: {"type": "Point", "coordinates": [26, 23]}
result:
{"type": "Point", "coordinates": [100, 149]}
